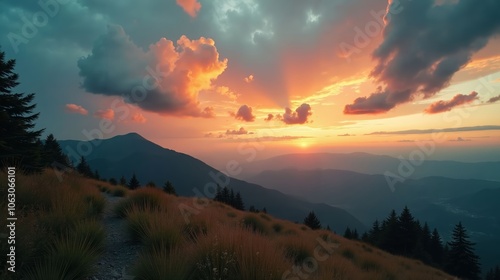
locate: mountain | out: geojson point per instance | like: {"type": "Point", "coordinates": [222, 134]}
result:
{"type": "Point", "coordinates": [131, 153]}
{"type": "Point", "coordinates": [440, 201]}
{"type": "Point", "coordinates": [375, 164]}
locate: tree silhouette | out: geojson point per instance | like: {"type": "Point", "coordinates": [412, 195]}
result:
{"type": "Point", "coordinates": [133, 183]}
{"type": "Point", "coordinates": [348, 233]}
{"type": "Point", "coordinates": [19, 144]}
{"type": "Point", "coordinates": [436, 249]}
{"type": "Point", "coordinates": [407, 231]}
{"type": "Point", "coordinates": [239, 202]}
{"type": "Point", "coordinates": [151, 184]}
{"type": "Point", "coordinates": [113, 181]}
{"type": "Point", "coordinates": [461, 260]}
{"type": "Point", "coordinates": [84, 168]}
{"type": "Point", "coordinates": [52, 154]}
{"type": "Point", "coordinates": [493, 274]}
{"type": "Point", "coordinates": [312, 221]}
{"type": "Point", "coordinates": [169, 188]}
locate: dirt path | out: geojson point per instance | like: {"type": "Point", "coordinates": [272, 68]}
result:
{"type": "Point", "coordinates": [120, 253]}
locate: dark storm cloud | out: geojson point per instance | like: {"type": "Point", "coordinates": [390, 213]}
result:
{"type": "Point", "coordinates": [165, 79]}
{"type": "Point", "coordinates": [457, 100]}
{"type": "Point", "coordinates": [423, 47]}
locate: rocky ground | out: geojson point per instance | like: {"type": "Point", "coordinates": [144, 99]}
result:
{"type": "Point", "coordinates": [120, 252]}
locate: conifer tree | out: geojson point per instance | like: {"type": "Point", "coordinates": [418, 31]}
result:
{"type": "Point", "coordinates": [355, 234]}
{"type": "Point", "coordinates": [19, 144]}
{"type": "Point", "coordinates": [461, 260]}
{"type": "Point", "coordinates": [407, 233]}
{"type": "Point", "coordinates": [84, 168]}
{"type": "Point", "coordinates": [239, 202]}
{"type": "Point", "coordinates": [52, 154]}
{"type": "Point", "coordinates": [133, 183]}
{"type": "Point", "coordinates": [312, 221]}
{"type": "Point", "coordinates": [348, 233]}
{"type": "Point", "coordinates": [151, 184]}
{"type": "Point", "coordinates": [169, 188]}
{"type": "Point", "coordinates": [390, 233]}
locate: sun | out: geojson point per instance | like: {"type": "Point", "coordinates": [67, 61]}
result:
{"type": "Point", "coordinates": [303, 144]}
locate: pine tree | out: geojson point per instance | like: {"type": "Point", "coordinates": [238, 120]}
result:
{"type": "Point", "coordinates": [52, 154]}
{"type": "Point", "coordinates": [461, 259]}
{"type": "Point", "coordinates": [390, 233]}
{"type": "Point", "coordinates": [169, 188]}
{"type": "Point", "coordinates": [407, 232]}
{"type": "Point", "coordinates": [231, 200]}
{"type": "Point", "coordinates": [151, 184]}
{"type": "Point", "coordinates": [239, 202]}
{"type": "Point", "coordinates": [493, 274]}
{"type": "Point", "coordinates": [113, 181]}
{"type": "Point", "coordinates": [84, 168]}
{"type": "Point", "coordinates": [96, 175]}
{"type": "Point", "coordinates": [133, 183]}
{"type": "Point", "coordinates": [19, 144]}
{"type": "Point", "coordinates": [348, 233]}
{"type": "Point", "coordinates": [252, 209]}
{"type": "Point", "coordinates": [264, 210]}
{"type": "Point", "coordinates": [312, 221]}
{"type": "Point", "coordinates": [436, 249]}
{"type": "Point", "coordinates": [374, 234]}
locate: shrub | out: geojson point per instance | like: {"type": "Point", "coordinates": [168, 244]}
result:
{"type": "Point", "coordinates": [194, 229]}
{"type": "Point", "coordinates": [142, 199]}
{"type": "Point", "coordinates": [231, 214]}
{"type": "Point", "coordinates": [162, 264]}
{"type": "Point", "coordinates": [255, 224]}
{"type": "Point", "coordinates": [348, 254]}
{"type": "Point", "coordinates": [119, 191]}
{"type": "Point", "coordinates": [277, 227]}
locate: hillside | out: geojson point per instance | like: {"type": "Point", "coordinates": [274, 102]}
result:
{"type": "Point", "coordinates": [124, 155]}
{"type": "Point", "coordinates": [216, 242]}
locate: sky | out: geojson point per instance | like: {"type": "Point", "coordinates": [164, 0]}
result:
{"type": "Point", "coordinates": [217, 78]}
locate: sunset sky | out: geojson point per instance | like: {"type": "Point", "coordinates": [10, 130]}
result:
{"type": "Point", "coordinates": [210, 77]}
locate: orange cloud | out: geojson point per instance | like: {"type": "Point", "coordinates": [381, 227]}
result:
{"type": "Point", "coordinates": [241, 131]}
{"type": "Point", "coordinates": [139, 118]}
{"type": "Point", "coordinates": [249, 79]}
{"type": "Point", "coordinates": [191, 7]}
{"type": "Point", "coordinates": [457, 100]}
{"type": "Point", "coordinates": [165, 79]}
{"type": "Point", "coordinates": [108, 114]}
{"type": "Point", "coordinates": [77, 109]}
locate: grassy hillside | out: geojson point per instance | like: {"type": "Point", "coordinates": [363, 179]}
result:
{"type": "Point", "coordinates": [207, 240]}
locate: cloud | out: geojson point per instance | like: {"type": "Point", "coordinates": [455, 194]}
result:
{"type": "Point", "coordinates": [441, 43]}
{"type": "Point", "coordinates": [269, 138]}
{"type": "Point", "coordinates": [77, 109]}
{"type": "Point", "coordinates": [494, 99]}
{"type": "Point", "coordinates": [245, 114]}
{"type": "Point", "coordinates": [165, 79]}
{"type": "Point", "coordinates": [406, 141]}
{"type": "Point", "coordinates": [240, 131]}
{"type": "Point", "coordinates": [107, 114]}
{"type": "Point", "coordinates": [346, 135]}
{"type": "Point", "coordinates": [269, 117]}
{"type": "Point", "coordinates": [428, 131]}
{"type": "Point", "coordinates": [460, 139]}
{"type": "Point", "coordinates": [249, 79]}
{"type": "Point", "coordinates": [444, 106]}
{"type": "Point", "coordinates": [191, 7]}
{"type": "Point", "coordinates": [299, 116]}
{"type": "Point", "coordinates": [139, 118]}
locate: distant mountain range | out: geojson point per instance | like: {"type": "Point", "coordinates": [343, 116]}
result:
{"type": "Point", "coordinates": [131, 153]}
{"type": "Point", "coordinates": [375, 164]}
{"type": "Point", "coordinates": [440, 201]}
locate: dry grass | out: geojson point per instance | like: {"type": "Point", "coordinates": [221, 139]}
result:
{"type": "Point", "coordinates": [58, 235]}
